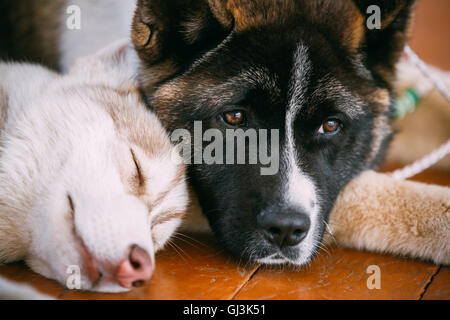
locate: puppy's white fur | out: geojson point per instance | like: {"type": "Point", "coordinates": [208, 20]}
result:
{"type": "Point", "coordinates": [72, 137]}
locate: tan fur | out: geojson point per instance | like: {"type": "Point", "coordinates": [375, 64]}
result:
{"type": "Point", "coordinates": [380, 129]}
{"type": "Point", "coordinates": [381, 125]}
{"type": "Point", "coordinates": [220, 12]}
{"type": "Point", "coordinates": [355, 32]}
{"type": "Point", "coordinates": [381, 96]}
{"type": "Point", "coordinates": [179, 178]}
{"type": "Point", "coordinates": [142, 35]}
{"type": "Point", "coordinates": [158, 73]}
{"type": "Point", "coordinates": [247, 14]}
{"type": "Point", "coordinates": [378, 213]}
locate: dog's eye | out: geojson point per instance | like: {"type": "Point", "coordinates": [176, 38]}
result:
{"type": "Point", "coordinates": [234, 118]}
{"type": "Point", "coordinates": [330, 126]}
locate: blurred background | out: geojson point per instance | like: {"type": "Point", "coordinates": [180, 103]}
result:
{"type": "Point", "coordinates": [431, 33]}
{"type": "Point", "coordinates": [428, 126]}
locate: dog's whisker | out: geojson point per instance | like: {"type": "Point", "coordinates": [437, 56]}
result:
{"type": "Point", "coordinates": [185, 241]}
{"type": "Point", "coordinates": [191, 241]}
{"type": "Point", "coordinates": [176, 249]}
{"type": "Point", "coordinates": [181, 250]}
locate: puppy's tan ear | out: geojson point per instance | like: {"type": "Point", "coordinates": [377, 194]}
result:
{"type": "Point", "coordinates": [119, 56]}
{"type": "Point", "coordinates": [170, 34]}
{"type": "Point", "coordinates": [387, 28]}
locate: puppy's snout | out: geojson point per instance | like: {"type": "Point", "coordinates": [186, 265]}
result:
{"type": "Point", "coordinates": [136, 269]}
{"type": "Point", "coordinates": [283, 227]}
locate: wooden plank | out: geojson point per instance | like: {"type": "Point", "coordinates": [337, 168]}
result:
{"type": "Point", "coordinates": [341, 274]}
{"type": "Point", "coordinates": [19, 272]}
{"type": "Point", "coordinates": [439, 288]}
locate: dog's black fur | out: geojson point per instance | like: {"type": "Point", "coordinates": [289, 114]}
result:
{"type": "Point", "coordinates": [202, 58]}
{"type": "Point", "coordinates": [216, 56]}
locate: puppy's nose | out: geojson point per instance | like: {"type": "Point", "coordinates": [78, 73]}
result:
{"type": "Point", "coordinates": [135, 270]}
{"type": "Point", "coordinates": [283, 227]}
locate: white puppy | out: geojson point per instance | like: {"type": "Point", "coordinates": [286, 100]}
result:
{"type": "Point", "coordinates": [88, 176]}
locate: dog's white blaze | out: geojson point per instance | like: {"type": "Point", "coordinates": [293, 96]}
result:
{"type": "Point", "coordinates": [299, 188]}
{"type": "Point", "coordinates": [102, 23]}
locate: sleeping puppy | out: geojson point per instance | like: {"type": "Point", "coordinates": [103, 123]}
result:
{"type": "Point", "coordinates": [88, 176]}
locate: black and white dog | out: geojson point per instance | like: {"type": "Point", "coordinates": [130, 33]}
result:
{"type": "Point", "coordinates": [311, 69]}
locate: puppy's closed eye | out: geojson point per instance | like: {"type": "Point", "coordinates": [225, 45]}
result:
{"type": "Point", "coordinates": [139, 177]}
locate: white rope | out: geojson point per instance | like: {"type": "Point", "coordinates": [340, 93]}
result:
{"type": "Point", "coordinates": [438, 154]}
{"type": "Point", "coordinates": [422, 164]}
{"type": "Point", "coordinates": [422, 66]}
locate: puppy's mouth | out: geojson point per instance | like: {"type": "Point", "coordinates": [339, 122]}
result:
{"type": "Point", "coordinates": [295, 259]}
{"type": "Point", "coordinates": [275, 258]}
{"type": "Point", "coordinates": [93, 273]}
{"type": "Point", "coordinates": [279, 257]}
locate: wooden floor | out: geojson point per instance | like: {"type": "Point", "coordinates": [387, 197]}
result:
{"type": "Point", "coordinates": [201, 271]}
{"type": "Point", "coordinates": [196, 267]}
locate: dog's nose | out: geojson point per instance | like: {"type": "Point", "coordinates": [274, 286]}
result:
{"type": "Point", "coordinates": [136, 269]}
{"type": "Point", "coordinates": [283, 227]}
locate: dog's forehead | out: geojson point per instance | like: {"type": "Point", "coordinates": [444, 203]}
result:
{"type": "Point", "coordinates": [220, 79]}
{"type": "Point", "coordinates": [297, 65]}
{"type": "Point", "coordinates": [271, 62]}
{"type": "Point", "coordinates": [248, 13]}
{"type": "Point", "coordinates": [342, 18]}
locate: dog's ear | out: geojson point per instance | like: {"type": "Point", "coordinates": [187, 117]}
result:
{"type": "Point", "coordinates": [388, 26]}
{"type": "Point", "coordinates": [170, 34]}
